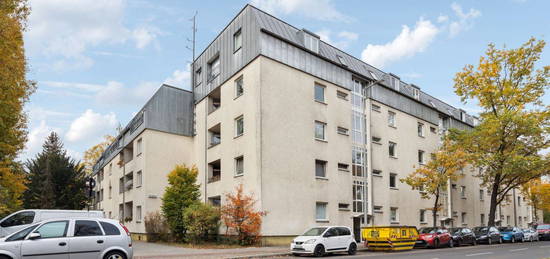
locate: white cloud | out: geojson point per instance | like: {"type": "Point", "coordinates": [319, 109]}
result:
{"type": "Point", "coordinates": [442, 18]}
{"type": "Point", "coordinates": [465, 20]}
{"type": "Point", "coordinates": [316, 9]}
{"type": "Point", "coordinates": [145, 36]}
{"type": "Point", "coordinates": [65, 29]}
{"type": "Point", "coordinates": [180, 78]}
{"type": "Point", "coordinates": [342, 40]}
{"type": "Point", "coordinates": [406, 44]}
{"type": "Point", "coordinates": [91, 126]}
{"type": "Point", "coordinates": [115, 93]}
{"type": "Point", "coordinates": [37, 113]}
{"type": "Point", "coordinates": [36, 138]}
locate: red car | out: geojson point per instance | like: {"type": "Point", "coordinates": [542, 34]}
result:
{"type": "Point", "coordinates": [434, 238]}
{"type": "Point", "coordinates": [544, 231]}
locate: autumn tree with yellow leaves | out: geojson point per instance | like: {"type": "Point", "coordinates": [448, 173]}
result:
{"type": "Point", "coordinates": [537, 194]}
{"type": "Point", "coordinates": [92, 154]}
{"type": "Point", "coordinates": [431, 180]}
{"type": "Point", "coordinates": [15, 90]}
{"type": "Point", "coordinates": [514, 123]}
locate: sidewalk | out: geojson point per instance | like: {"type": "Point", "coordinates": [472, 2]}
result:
{"type": "Point", "coordinates": [144, 250]}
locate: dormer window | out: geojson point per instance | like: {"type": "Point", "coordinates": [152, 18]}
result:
{"type": "Point", "coordinates": [311, 41]}
{"type": "Point", "coordinates": [462, 116]}
{"type": "Point", "coordinates": [394, 82]}
{"type": "Point", "coordinates": [415, 92]}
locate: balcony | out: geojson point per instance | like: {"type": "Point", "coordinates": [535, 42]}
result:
{"type": "Point", "coordinates": [214, 134]}
{"type": "Point", "coordinates": [214, 100]}
{"type": "Point", "coordinates": [214, 171]}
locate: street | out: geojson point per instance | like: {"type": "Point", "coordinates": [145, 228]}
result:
{"type": "Point", "coordinates": [526, 250]}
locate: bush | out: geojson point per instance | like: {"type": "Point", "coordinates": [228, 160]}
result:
{"type": "Point", "coordinates": [202, 221]}
{"type": "Point", "coordinates": [181, 192]}
{"type": "Point", "coordinates": [156, 227]}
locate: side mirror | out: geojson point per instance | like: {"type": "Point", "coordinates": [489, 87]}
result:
{"type": "Point", "coordinates": [439, 232]}
{"type": "Point", "coordinates": [34, 236]}
{"type": "Point", "coordinates": [328, 234]}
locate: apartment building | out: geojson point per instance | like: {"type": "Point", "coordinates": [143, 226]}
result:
{"type": "Point", "coordinates": [317, 135]}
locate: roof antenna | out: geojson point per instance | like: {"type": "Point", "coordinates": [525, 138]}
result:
{"type": "Point", "coordinates": [192, 48]}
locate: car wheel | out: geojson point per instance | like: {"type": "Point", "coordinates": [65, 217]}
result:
{"type": "Point", "coordinates": [490, 241]}
{"type": "Point", "coordinates": [436, 243]}
{"type": "Point", "coordinates": [4, 257]}
{"type": "Point", "coordinates": [115, 255]}
{"type": "Point", "coordinates": [451, 244]}
{"type": "Point", "coordinates": [513, 240]}
{"type": "Point", "coordinates": [500, 240]}
{"type": "Point", "coordinates": [474, 243]}
{"type": "Point", "coordinates": [522, 240]}
{"type": "Point", "coordinates": [457, 244]}
{"type": "Point", "coordinates": [352, 249]}
{"type": "Point", "coordinates": [319, 251]}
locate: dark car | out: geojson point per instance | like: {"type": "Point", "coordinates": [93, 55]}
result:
{"type": "Point", "coordinates": [511, 234]}
{"type": "Point", "coordinates": [544, 231]}
{"type": "Point", "coordinates": [487, 235]}
{"type": "Point", "coordinates": [434, 238]}
{"type": "Point", "coordinates": [463, 236]}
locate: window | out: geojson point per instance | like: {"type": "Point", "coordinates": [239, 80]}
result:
{"type": "Point", "coordinates": [215, 171]}
{"type": "Point", "coordinates": [139, 146]}
{"type": "Point", "coordinates": [121, 185]}
{"type": "Point", "coordinates": [239, 90]}
{"type": "Point", "coordinates": [393, 215]}
{"type": "Point", "coordinates": [138, 213]}
{"type": "Point", "coordinates": [508, 220]}
{"type": "Point", "coordinates": [343, 167]}
{"type": "Point", "coordinates": [320, 130]}
{"type": "Point", "coordinates": [198, 77]}
{"type": "Point", "coordinates": [341, 60]}
{"type": "Point", "coordinates": [481, 195]}
{"type": "Point", "coordinates": [482, 219]}
{"type": "Point", "coordinates": [376, 140]}
{"type": "Point", "coordinates": [393, 180]}
{"type": "Point", "coordinates": [433, 130]}
{"type": "Point", "coordinates": [463, 217]}
{"type": "Point", "coordinates": [139, 179]}
{"type": "Point", "coordinates": [391, 149]}
{"type": "Point", "coordinates": [420, 129]}
{"type": "Point", "coordinates": [342, 131]}
{"type": "Point", "coordinates": [21, 218]}
{"type": "Point", "coordinates": [343, 206]}
{"type": "Point", "coordinates": [377, 172]}
{"type": "Point", "coordinates": [215, 135]}
{"type": "Point", "coordinates": [109, 229]}
{"type": "Point", "coordinates": [311, 42]}
{"type": "Point", "coordinates": [391, 119]}
{"type": "Point", "coordinates": [319, 93]}
{"type": "Point", "coordinates": [358, 160]}
{"type": "Point", "coordinates": [18, 236]}
{"type": "Point", "coordinates": [422, 216]}
{"type": "Point", "coordinates": [320, 168]}
{"type": "Point", "coordinates": [321, 211]}
{"type": "Point", "coordinates": [53, 229]}
{"type": "Point", "coordinates": [519, 201]}
{"type": "Point", "coordinates": [377, 209]}
{"type": "Point", "coordinates": [463, 192]}
{"type": "Point", "coordinates": [342, 95]}
{"type": "Point", "coordinates": [421, 157]}
{"type": "Point", "coordinates": [215, 201]}
{"type": "Point", "coordinates": [375, 107]}
{"type": "Point", "coordinates": [239, 126]}
{"type": "Point", "coordinates": [84, 228]}
{"type": "Point", "coordinates": [237, 40]}
{"type": "Point", "coordinates": [214, 68]}
{"type": "Point", "coordinates": [416, 93]}
{"type": "Point", "coordinates": [110, 192]}
{"type": "Point", "coordinates": [359, 192]}
{"type": "Point", "coordinates": [239, 165]}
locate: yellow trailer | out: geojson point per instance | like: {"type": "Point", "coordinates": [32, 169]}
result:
{"type": "Point", "coordinates": [389, 238]}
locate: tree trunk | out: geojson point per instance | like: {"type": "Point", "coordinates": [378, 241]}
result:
{"type": "Point", "coordinates": [435, 209]}
{"type": "Point", "coordinates": [493, 205]}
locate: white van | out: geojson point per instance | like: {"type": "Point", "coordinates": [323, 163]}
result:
{"type": "Point", "coordinates": [19, 220]}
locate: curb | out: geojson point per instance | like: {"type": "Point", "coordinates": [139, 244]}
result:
{"type": "Point", "coordinates": [276, 254]}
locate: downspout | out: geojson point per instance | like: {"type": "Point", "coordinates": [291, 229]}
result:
{"type": "Point", "coordinates": [370, 197]}
{"type": "Point", "coordinates": [515, 208]}
{"type": "Point", "coordinates": [450, 202]}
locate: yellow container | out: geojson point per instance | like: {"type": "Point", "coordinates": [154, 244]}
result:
{"type": "Point", "coordinates": [389, 238]}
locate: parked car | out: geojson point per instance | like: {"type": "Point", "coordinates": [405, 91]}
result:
{"type": "Point", "coordinates": [511, 234]}
{"type": "Point", "coordinates": [530, 235]}
{"type": "Point", "coordinates": [23, 218]}
{"type": "Point", "coordinates": [544, 231]}
{"type": "Point", "coordinates": [434, 238]}
{"type": "Point", "coordinates": [487, 235]}
{"type": "Point", "coordinates": [463, 236]}
{"type": "Point", "coordinates": [319, 241]}
{"type": "Point", "coordinates": [69, 238]}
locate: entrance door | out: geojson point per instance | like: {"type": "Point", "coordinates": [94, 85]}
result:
{"type": "Point", "coordinates": [357, 228]}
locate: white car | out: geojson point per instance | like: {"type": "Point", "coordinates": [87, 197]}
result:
{"type": "Point", "coordinates": [81, 238]}
{"type": "Point", "coordinates": [530, 235]}
{"type": "Point", "coordinates": [321, 240]}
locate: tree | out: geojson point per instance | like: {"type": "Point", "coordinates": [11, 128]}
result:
{"type": "Point", "coordinates": [156, 227]}
{"type": "Point", "coordinates": [15, 90]}
{"type": "Point", "coordinates": [92, 154]}
{"type": "Point", "coordinates": [201, 221]}
{"type": "Point", "coordinates": [239, 215]}
{"type": "Point", "coordinates": [431, 179]}
{"type": "Point", "coordinates": [537, 194]}
{"type": "Point", "coordinates": [55, 180]}
{"type": "Point", "coordinates": [514, 123]}
{"type": "Point", "coordinates": [181, 192]}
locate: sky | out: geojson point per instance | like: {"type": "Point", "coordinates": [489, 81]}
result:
{"type": "Point", "coordinates": [96, 62]}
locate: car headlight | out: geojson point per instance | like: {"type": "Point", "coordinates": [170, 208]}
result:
{"type": "Point", "coordinates": [311, 241]}
{"type": "Point", "coordinates": [483, 236]}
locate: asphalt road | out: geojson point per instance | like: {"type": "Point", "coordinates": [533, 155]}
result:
{"type": "Point", "coordinates": [527, 250]}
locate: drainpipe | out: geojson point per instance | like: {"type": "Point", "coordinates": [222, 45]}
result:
{"type": "Point", "coordinates": [515, 207]}
{"type": "Point", "coordinates": [450, 202]}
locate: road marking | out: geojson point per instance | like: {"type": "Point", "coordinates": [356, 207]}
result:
{"type": "Point", "coordinates": [544, 246]}
{"type": "Point", "coordinates": [487, 253]}
{"type": "Point", "coordinates": [519, 249]}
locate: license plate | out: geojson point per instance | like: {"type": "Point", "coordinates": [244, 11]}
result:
{"type": "Point", "coordinates": [419, 242]}
{"type": "Point", "coordinates": [297, 246]}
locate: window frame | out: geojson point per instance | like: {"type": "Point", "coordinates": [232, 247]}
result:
{"type": "Point", "coordinates": [322, 163]}
{"type": "Point", "coordinates": [90, 220]}
{"type": "Point", "coordinates": [214, 65]}
{"type": "Point", "coordinates": [237, 35]}
{"type": "Point", "coordinates": [392, 146]}
{"type": "Point", "coordinates": [65, 232]}
{"type": "Point", "coordinates": [236, 164]}
{"type": "Point", "coordinates": [324, 128]}
{"type": "Point", "coordinates": [420, 129]}
{"type": "Point", "coordinates": [342, 131]}
{"type": "Point", "coordinates": [392, 119]}
{"type": "Point", "coordinates": [324, 205]}
{"type": "Point", "coordinates": [392, 210]}
{"type": "Point", "coordinates": [239, 121]}
{"type": "Point", "coordinates": [316, 86]}
{"type": "Point", "coordinates": [239, 86]}
{"type": "Point", "coordinates": [421, 157]}
{"type": "Point", "coordinates": [394, 177]}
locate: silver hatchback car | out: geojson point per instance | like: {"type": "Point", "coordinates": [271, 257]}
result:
{"type": "Point", "coordinates": [80, 238]}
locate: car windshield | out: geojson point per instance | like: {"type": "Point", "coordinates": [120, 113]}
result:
{"type": "Point", "coordinates": [428, 230]}
{"type": "Point", "coordinates": [480, 230]}
{"type": "Point", "coordinates": [455, 230]}
{"type": "Point", "coordinates": [541, 227]}
{"type": "Point", "coordinates": [505, 229]}
{"type": "Point", "coordinates": [314, 232]}
{"type": "Point", "coordinates": [21, 234]}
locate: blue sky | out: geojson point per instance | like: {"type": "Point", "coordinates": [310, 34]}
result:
{"type": "Point", "coordinates": [96, 62]}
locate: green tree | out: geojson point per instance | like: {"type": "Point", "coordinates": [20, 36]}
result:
{"type": "Point", "coordinates": [514, 123]}
{"type": "Point", "coordinates": [201, 220]}
{"type": "Point", "coordinates": [55, 180]}
{"type": "Point", "coordinates": [181, 192]}
{"type": "Point", "coordinates": [432, 179]}
{"type": "Point", "coordinates": [15, 90]}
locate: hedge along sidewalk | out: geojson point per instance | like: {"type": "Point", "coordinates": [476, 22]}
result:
{"type": "Point", "coordinates": [144, 250]}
